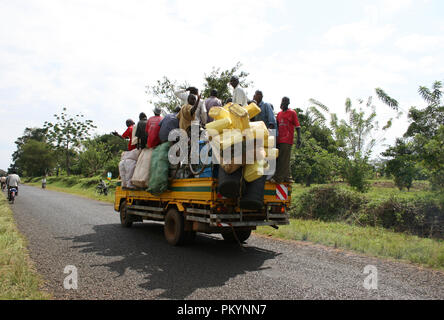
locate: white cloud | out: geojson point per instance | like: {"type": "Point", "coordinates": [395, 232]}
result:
{"type": "Point", "coordinates": [420, 43]}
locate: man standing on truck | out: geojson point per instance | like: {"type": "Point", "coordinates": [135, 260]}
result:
{"type": "Point", "coordinates": [139, 132]}
{"type": "Point", "coordinates": [266, 115]}
{"type": "Point", "coordinates": [239, 95]}
{"type": "Point", "coordinates": [183, 95]}
{"type": "Point", "coordinates": [187, 113]}
{"type": "Point", "coordinates": [128, 134]}
{"type": "Point", "coordinates": [212, 101]}
{"type": "Point", "coordinates": [153, 128]}
{"type": "Point", "coordinates": [168, 124]}
{"type": "Point", "coordinates": [287, 121]}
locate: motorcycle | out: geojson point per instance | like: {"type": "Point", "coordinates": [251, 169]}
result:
{"type": "Point", "coordinates": [12, 194]}
{"type": "Point", "coordinates": [102, 188]}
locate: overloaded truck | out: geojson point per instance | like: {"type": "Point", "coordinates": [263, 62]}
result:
{"type": "Point", "coordinates": [231, 198]}
{"type": "Point", "coordinates": [194, 205]}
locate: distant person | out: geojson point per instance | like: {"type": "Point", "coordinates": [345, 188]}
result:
{"type": "Point", "coordinates": [13, 181]}
{"type": "Point", "coordinates": [211, 102]}
{"type": "Point", "coordinates": [287, 121]}
{"type": "Point", "coordinates": [3, 182]}
{"type": "Point", "coordinates": [187, 113]}
{"type": "Point", "coordinates": [183, 95]}
{"type": "Point", "coordinates": [168, 124]}
{"type": "Point", "coordinates": [153, 128]}
{"type": "Point", "coordinates": [266, 114]}
{"type": "Point", "coordinates": [128, 134]}
{"type": "Point", "coordinates": [239, 95]}
{"type": "Point", "coordinates": [139, 133]}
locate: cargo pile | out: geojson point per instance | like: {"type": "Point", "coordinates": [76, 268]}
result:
{"type": "Point", "coordinates": [243, 177]}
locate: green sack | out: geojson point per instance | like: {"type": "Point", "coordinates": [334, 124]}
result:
{"type": "Point", "coordinates": [158, 181]}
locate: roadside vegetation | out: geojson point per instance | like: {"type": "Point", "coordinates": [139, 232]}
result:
{"type": "Point", "coordinates": [18, 279]}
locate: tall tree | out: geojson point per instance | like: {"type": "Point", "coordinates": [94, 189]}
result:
{"type": "Point", "coordinates": [67, 133]}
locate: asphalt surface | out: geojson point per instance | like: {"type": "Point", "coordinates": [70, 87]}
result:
{"type": "Point", "coordinates": [137, 263]}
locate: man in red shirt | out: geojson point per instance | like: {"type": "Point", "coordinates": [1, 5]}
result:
{"type": "Point", "coordinates": [128, 134]}
{"type": "Point", "coordinates": [153, 128]}
{"type": "Point", "coordinates": [287, 121]}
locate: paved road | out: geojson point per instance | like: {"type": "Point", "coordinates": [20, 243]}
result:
{"type": "Point", "coordinates": [137, 263]}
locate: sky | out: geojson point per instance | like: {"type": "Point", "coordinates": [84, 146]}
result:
{"type": "Point", "coordinates": [97, 56]}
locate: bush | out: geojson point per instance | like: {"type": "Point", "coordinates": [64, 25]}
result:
{"type": "Point", "coordinates": [328, 204]}
{"type": "Point", "coordinates": [421, 216]}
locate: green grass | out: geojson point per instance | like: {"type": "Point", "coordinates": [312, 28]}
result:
{"type": "Point", "coordinates": [18, 279]}
{"type": "Point", "coordinates": [84, 187]}
{"type": "Point", "coordinates": [376, 242]}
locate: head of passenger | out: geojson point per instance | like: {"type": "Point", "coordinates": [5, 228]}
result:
{"type": "Point", "coordinates": [214, 93]}
{"type": "Point", "coordinates": [129, 123]}
{"type": "Point", "coordinates": [177, 110]}
{"type": "Point", "coordinates": [142, 116]}
{"type": "Point", "coordinates": [285, 103]}
{"type": "Point", "coordinates": [258, 96]}
{"type": "Point", "coordinates": [192, 99]}
{"type": "Point", "coordinates": [157, 111]}
{"type": "Point", "coordinates": [234, 81]}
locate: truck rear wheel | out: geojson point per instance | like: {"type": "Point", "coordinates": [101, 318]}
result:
{"type": "Point", "coordinates": [174, 228]}
{"type": "Point", "coordinates": [242, 235]}
{"type": "Point", "coordinates": [126, 219]}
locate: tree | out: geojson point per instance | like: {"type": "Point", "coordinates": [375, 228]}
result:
{"type": "Point", "coordinates": [67, 134]}
{"type": "Point", "coordinates": [36, 158]}
{"type": "Point", "coordinates": [402, 163]}
{"type": "Point", "coordinates": [356, 137]}
{"type": "Point", "coordinates": [219, 80]}
{"type": "Point", "coordinates": [161, 94]}
{"type": "Point", "coordinates": [35, 134]}
{"type": "Point", "coordinates": [94, 158]}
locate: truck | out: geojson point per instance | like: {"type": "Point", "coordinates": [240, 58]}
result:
{"type": "Point", "coordinates": [194, 205]}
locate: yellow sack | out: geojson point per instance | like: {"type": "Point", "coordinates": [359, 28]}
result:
{"type": "Point", "coordinates": [258, 130]}
{"type": "Point", "coordinates": [253, 110]}
{"type": "Point", "coordinates": [219, 113]}
{"type": "Point", "coordinates": [239, 117]}
{"type": "Point", "coordinates": [227, 139]}
{"type": "Point", "coordinates": [219, 125]}
{"type": "Point", "coordinates": [271, 153]}
{"type": "Point", "coordinates": [255, 171]}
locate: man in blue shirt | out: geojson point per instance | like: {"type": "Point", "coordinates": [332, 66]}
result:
{"type": "Point", "coordinates": [168, 124]}
{"type": "Point", "coordinates": [266, 114]}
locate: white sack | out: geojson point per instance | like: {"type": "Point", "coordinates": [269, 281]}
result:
{"type": "Point", "coordinates": [142, 171]}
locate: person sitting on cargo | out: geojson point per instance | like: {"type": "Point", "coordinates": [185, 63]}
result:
{"type": "Point", "coordinates": [183, 95]}
{"type": "Point", "coordinates": [211, 102]}
{"type": "Point", "coordinates": [153, 128]}
{"type": "Point", "coordinates": [140, 137]}
{"type": "Point", "coordinates": [168, 124]}
{"type": "Point", "coordinates": [187, 113]}
{"type": "Point", "coordinates": [128, 134]}
{"type": "Point", "coordinates": [266, 115]}
{"type": "Point", "coordinates": [239, 95]}
{"type": "Point", "coordinates": [287, 121]}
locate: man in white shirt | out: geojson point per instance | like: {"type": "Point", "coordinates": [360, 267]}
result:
{"type": "Point", "coordinates": [239, 95]}
{"type": "Point", "coordinates": [12, 181]}
{"type": "Point", "coordinates": [201, 114]}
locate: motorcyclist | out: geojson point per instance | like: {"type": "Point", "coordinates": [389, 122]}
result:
{"type": "Point", "coordinates": [13, 181]}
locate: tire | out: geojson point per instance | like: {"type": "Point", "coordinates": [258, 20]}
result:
{"type": "Point", "coordinates": [126, 220]}
{"type": "Point", "coordinates": [174, 228]}
{"type": "Point", "coordinates": [242, 235]}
